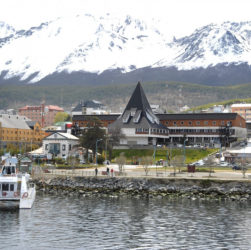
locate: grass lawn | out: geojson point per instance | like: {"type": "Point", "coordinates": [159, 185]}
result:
{"type": "Point", "coordinates": [134, 155]}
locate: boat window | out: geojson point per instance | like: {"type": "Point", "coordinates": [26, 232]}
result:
{"type": "Point", "coordinates": [5, 187]}
{"type": "Point", "coordinates": [8, 170]}
{"type": "Point", "coordinates": [11, 187]}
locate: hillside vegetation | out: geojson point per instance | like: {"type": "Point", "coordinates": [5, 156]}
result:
{"type": "Point", "coordinates": [169, 95]}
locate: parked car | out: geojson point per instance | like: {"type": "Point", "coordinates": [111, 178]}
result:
{"type": "Point", "coordinates": [199, 163]}
{"type": "Point", "coordinates": [236, 167]}
{"type": "Point", "coordinates": [218, 155]}
{"type": "Point", "coordinates": [106, 162]}
{"type": "Point", "coordinates": [224, 164]}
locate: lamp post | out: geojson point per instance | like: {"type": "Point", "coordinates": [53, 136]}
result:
{"type": "Point", "coordinates": [184, 151]}
{"type": "Point", "coordinates": [98, 140]}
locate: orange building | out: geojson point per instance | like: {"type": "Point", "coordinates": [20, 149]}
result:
{"type": "Point", "coordinates": [17, 129]}
{"type": "Point", "coordinates": [42, 114]}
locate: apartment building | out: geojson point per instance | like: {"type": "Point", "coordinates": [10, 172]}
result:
{"type": "Point", "coordinates": [243, 109]}
{"type": "Point", "coordinates": [43, 114]}
{"type": "Point", "coordinates": [15, 129]}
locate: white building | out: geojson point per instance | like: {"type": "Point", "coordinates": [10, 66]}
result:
{"type": "Point", "coordinates": [59, 144]}
{"type": "Point", "coordinates": [138, 123]}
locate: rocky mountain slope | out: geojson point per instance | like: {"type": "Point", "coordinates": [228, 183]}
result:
{"type": "Point", "coordinates": [99, 50]}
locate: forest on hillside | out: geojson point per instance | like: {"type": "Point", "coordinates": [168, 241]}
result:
{"type": "Point", "coordinates": [169, 95]}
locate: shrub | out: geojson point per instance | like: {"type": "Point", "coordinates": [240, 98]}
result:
{"type": "Point", "coordinates": [100, 159]}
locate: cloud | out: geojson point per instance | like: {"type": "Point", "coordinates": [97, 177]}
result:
{"type": "Point", "coordinates": [179, 16]}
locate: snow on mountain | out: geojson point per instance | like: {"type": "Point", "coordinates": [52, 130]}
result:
{"type": "Point", "coordinates": [95, 44]}
{"type": "Point", "coordinates": [5, 30]}
{"type": "Point", "coordinates": [212, 45]}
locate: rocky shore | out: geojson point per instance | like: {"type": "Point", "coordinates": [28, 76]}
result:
{"type": "Point", "coordinates": [148, 187]}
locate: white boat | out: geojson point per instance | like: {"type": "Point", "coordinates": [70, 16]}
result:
{"type": "Point", "coordinates": [15, 188]}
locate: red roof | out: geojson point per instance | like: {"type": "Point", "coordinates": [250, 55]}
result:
{"type": "Point", "coordinates": [53, 107]}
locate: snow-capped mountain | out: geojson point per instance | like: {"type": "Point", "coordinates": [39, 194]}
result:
{"type": "Point", "coordinates": [95, 45]}
{"type": "Point", "coordinates": [212, 45]}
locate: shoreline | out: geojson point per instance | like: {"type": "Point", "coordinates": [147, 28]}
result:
{"type": "Point", "coordinates": [206, 189]}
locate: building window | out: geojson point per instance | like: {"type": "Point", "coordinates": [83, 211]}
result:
{"type": "Point", "coordinates": [198, 123]}
{"type": "Point", "coordinates": [166, 123]}
{"type": "Point", "coordinates": [190, 123]}
{"type": "Point", "coordinates": [46, 146]}
{"type": "Point", "coordinates": [63, 147]}
{"type": "Point", "coordinates": [205, 122]}
{"type": "Point", "coordinates": [222, 123]}
{"type": "Point", "coordinates": [181, 123]}
{"type": "Point", "coordinates": [174, 123]}
{"type": "Point", "coordinates": [214, 123]}
{"type": "Point", "coordinates": [69, 147]}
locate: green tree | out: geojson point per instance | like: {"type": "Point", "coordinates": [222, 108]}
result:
{"type": "Point", "coordinates": [91, 134]}
{"type": "Point", "coordinates": [62, 117]}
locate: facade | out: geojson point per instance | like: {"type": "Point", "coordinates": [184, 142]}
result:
{"type": "Point", "coordinates": [81, 121]}
{"type": "Point", "coordinates": [59, 145]}
{"type": "Point", "coordinates": [243, 109]}
{"type": "Point", "coordinates": [89, 108]}
{"type": "Point", "coordinates": [138, 124]}
{"type": "Point", "coordinates": [209, 129]}
{"type": "Point", "coordinates": [17, 129]}
{"type": "Point", "coordinates": [141, 127]}
{"type": "Point", "coordinates": [42, 114]}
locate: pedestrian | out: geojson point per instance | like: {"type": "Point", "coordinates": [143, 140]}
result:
{"type": "Point", "coordinates": [96, 171]}
{"type": "Point", "coordinates": [112, 172]}
{"type": "Point", "coordinates": [107, 171]}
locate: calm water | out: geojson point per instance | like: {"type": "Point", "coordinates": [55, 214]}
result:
{"type": "Point", "coordinates": [126, 223]}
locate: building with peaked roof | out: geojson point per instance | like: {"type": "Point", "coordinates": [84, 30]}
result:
{"type": "Point", "coordinates": [16, 129]}
{"type": "Point", "coordinates": [138, 123]}
{"type": "Point", "coordinates": [89, 108]}
{"type": "Point", "coordinates": [142, 127]}
{"type": "Point", "coordinates": [59, 144]}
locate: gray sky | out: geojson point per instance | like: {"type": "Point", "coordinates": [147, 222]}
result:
{"type": "Point", "coordinates": [180, 17]}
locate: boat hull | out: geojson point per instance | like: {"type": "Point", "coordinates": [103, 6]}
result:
{"type": "Point", "coordinates": [27, 203]}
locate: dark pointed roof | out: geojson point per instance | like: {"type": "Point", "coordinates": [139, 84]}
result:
{"type": "Point", "coordinates": [138, 100]}
{"type": "Point", "coordinates": [138, 113]}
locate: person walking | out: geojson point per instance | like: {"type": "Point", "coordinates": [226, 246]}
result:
{"type": "Point", "coordinates": [107, 171]}
{"type": "Point", "coordinates": [112, 172]}
{"type": "Point", "coordinates": [96, 171]}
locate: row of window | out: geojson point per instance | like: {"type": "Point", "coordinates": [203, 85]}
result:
{"type": "Point", "coordinates": [63, 147]}
{"type": "Point", "coordinates": [200, 131]}
{"type": "Point", "coordinates": [153, 130]}
{"type": "Point", "coordinates": [7, 187]}
{"type": "Point", "coordinates": [21, 132]}
{"type": "Point", "coordinates": [20, 139]}
{"type": "Point", "coordinates": [190, 123]}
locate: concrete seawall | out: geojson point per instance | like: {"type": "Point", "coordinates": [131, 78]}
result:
{"type": "Point", "coordinates": [148, 187]}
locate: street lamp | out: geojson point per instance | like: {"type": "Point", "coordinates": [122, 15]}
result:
{"type": "Point", "coordinates": [98, 140]}
{"type": "Point", "coordinates": [184, 148]}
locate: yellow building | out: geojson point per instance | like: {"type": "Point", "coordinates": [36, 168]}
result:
{"type": "Point", "coordinates": [16, 129]}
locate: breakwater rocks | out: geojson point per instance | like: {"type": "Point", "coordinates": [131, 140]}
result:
{"type": "Point", "coordinates": [148, 187]}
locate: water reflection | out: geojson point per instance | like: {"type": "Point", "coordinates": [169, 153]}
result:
{"type": "Point", "coordinates": [126, 223]}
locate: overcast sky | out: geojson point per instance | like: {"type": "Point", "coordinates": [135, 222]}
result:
{"type": "Point", "coordinates": [181, 17]}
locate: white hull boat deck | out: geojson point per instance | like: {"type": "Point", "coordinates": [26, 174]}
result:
{"type": "Point", "coordinates": [15, 188]}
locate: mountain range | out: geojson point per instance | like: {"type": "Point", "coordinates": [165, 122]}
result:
{"type": "Point", "coordinates": [99, 50]}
